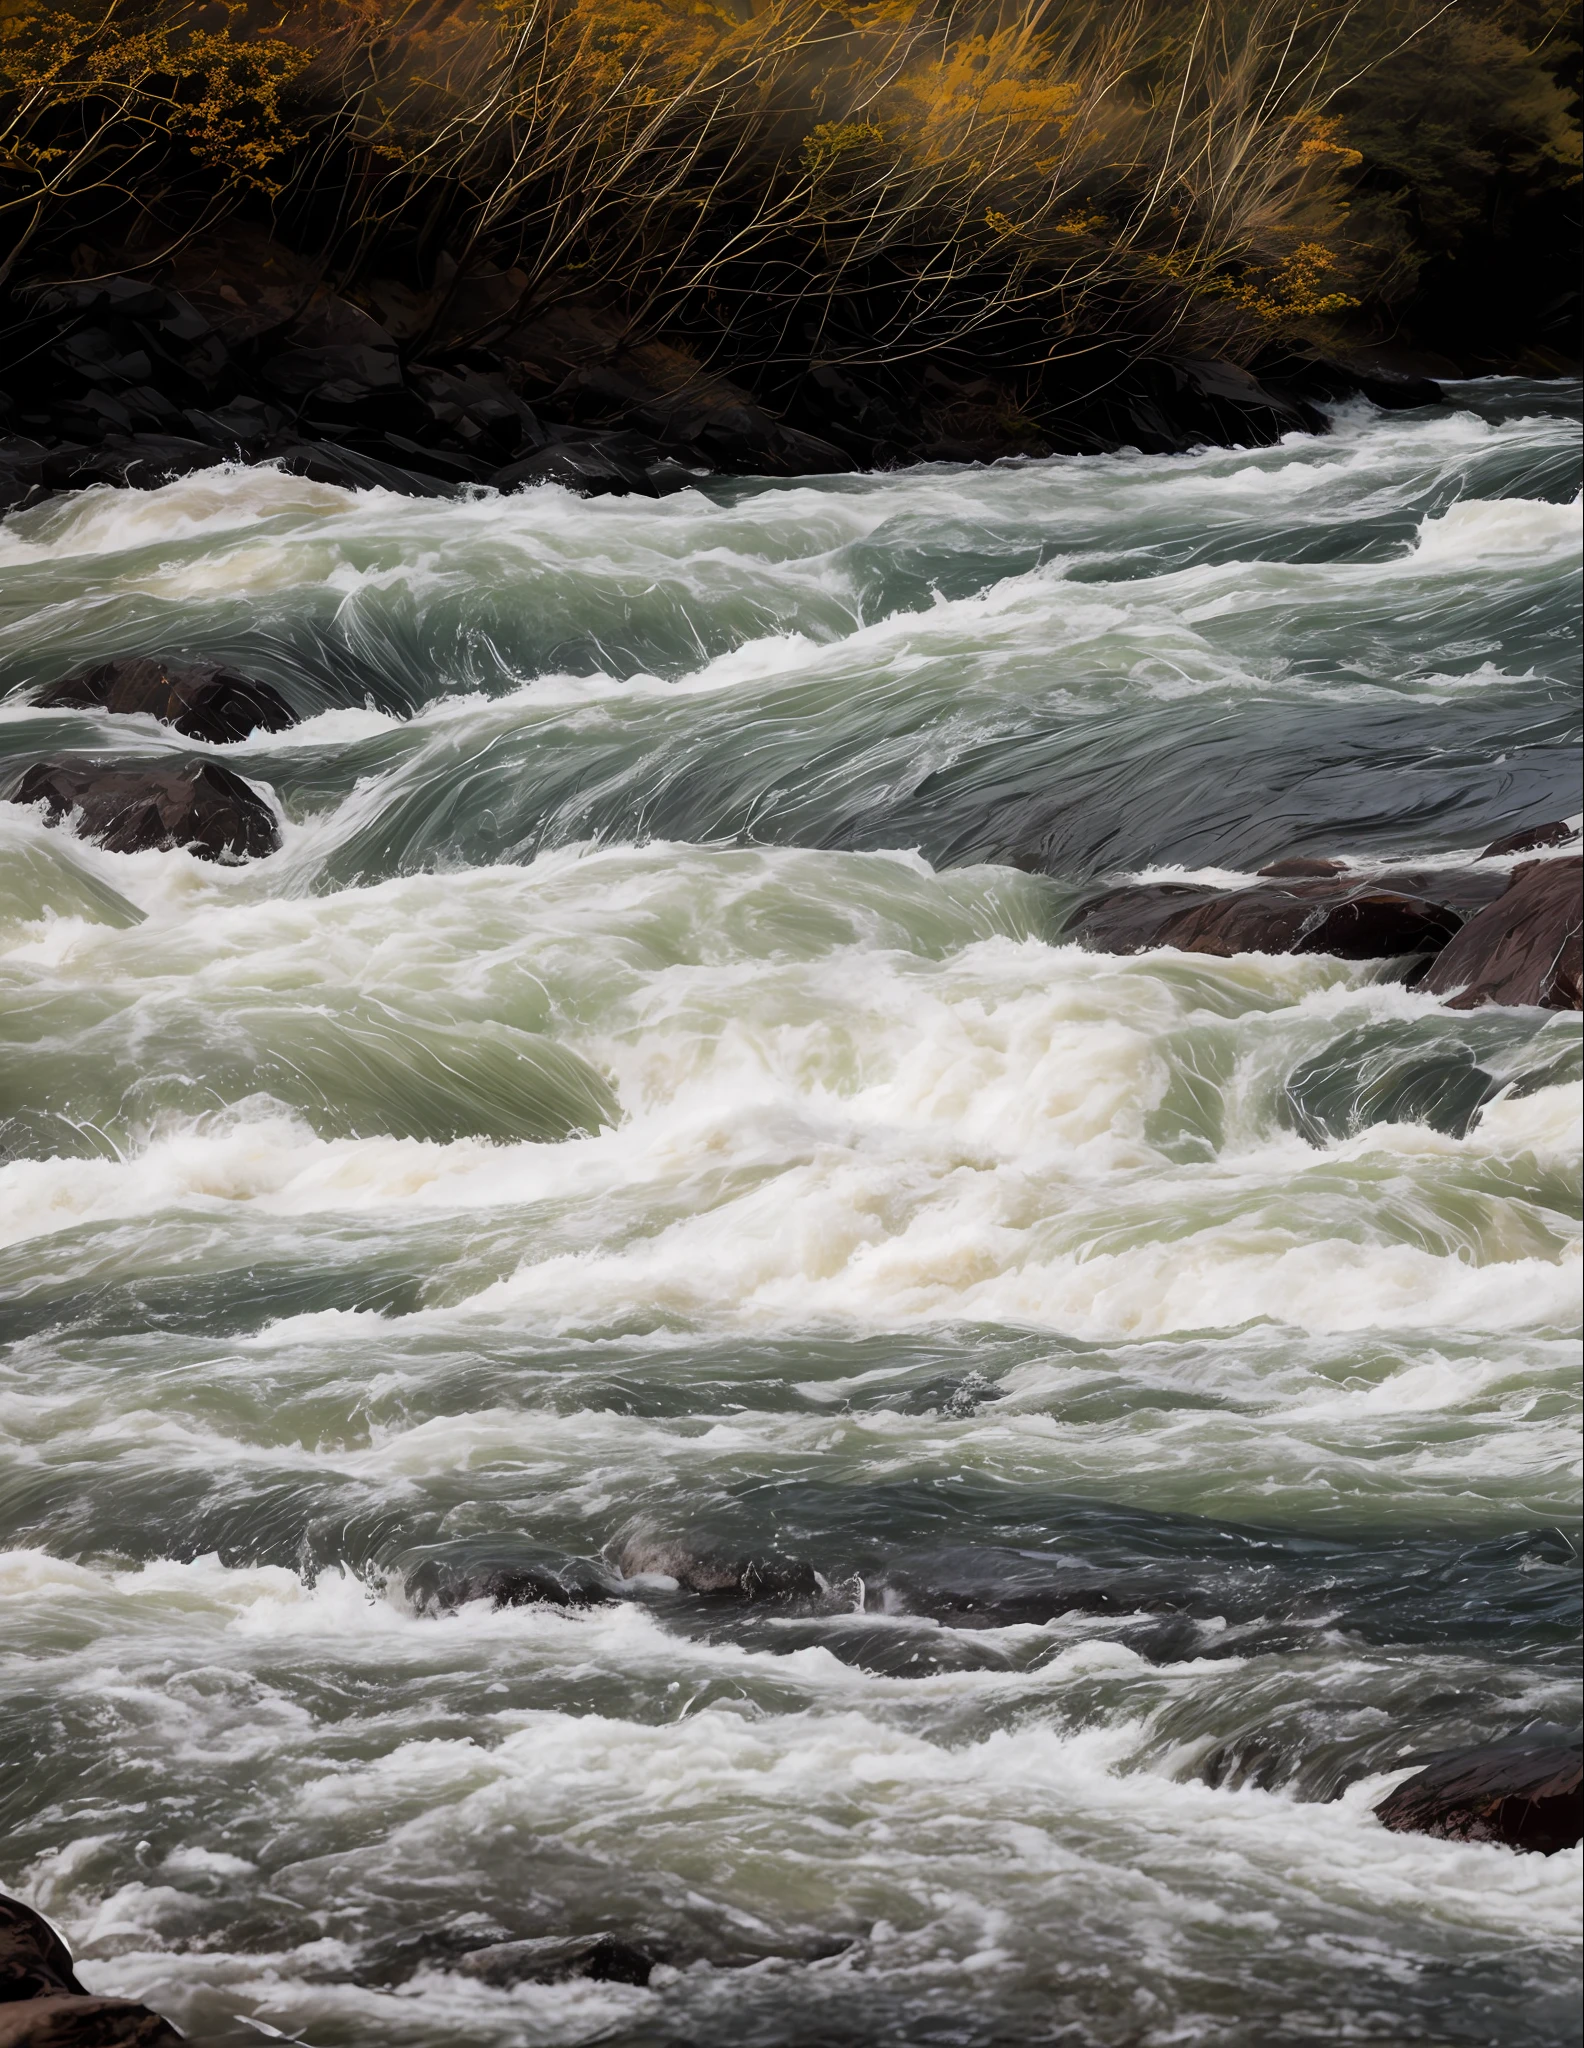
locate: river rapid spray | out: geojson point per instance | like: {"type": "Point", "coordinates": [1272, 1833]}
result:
{"type": "Point", "coordinates": [642, 1105]}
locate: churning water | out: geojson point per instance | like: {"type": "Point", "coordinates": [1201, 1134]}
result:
{"type": "Point", "coordinates": [645, 1113]}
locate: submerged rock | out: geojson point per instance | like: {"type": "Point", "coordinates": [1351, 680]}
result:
{"type": "Point", "coordinates": [1525, 948]}
{"type": "Point", "coordinates": [770, 1577]}
{"type": "Point", "coordinates": [198, 698]}
{"type": "Point", "coordinates": [554, 1957]}
{"type": "Point", "coordinates": [1526, 1795]}
{"type": "Point", "coordinates": [440, 1586]}
{"type": "Point", "coordinates": [198, 805]}
{"type": "Point", "coordinates": [1354, 921]}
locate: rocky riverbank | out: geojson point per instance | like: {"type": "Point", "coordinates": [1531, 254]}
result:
{"type": "Point", "coordinates": [239, 350]}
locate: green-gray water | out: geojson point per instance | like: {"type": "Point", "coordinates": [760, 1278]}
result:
{"type": "Point", "coordinates": [645, 1110]}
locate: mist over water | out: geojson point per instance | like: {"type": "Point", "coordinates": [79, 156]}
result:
{"type": "Point", "coordinates": [645, 1114]}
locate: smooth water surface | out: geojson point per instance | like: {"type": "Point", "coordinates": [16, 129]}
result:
{"type": "Point", "coordinates": [645, 1116]}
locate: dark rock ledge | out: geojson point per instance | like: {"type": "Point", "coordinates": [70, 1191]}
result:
{"type": "Point", "coordinates": [199, 699]}
{"type": "Point", "coordinates": [1486, 933]}
{"type": "Point", "coordinates": [42, 2004]}
{"type": "Point", "coordinates": [1526, 1795]}
{"type": "Point", "coordinates": [241, 352]}
{"type": "Point", "coordinates": [138, 807]}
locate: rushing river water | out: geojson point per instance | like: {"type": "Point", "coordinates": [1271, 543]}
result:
{"type": "Point", "coordinates": [645, 1113]}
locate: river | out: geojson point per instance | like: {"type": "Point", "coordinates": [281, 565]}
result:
{"type": "Point", "coordinates": [645, 1115]}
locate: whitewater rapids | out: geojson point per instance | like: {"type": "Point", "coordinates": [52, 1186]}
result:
{"type": "Point", "coordinates": [648, 1105]}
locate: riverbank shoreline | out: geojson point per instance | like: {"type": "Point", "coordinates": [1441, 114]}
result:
{"type": "Point", "coordinates": [244, 353]}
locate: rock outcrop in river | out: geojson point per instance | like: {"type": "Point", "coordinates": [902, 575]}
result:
{"type": "Point", "coordinates": [1495, 935]}
{"type": "Point", "coordinates": [1523, 948]}
{"type": "Point", "coordinates": [136, 807]}
{"type": "Point", "coordinates": [42, 2003]}
{"type": "Point", "coordinates": [1524, 1794]}
{"type": "Point", "coordinates": [198, 698]}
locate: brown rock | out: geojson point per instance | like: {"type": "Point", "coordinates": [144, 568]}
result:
{"type": "Point", "coordinates": [199, 805]}
{"type": "Point", "coordinates": [83, 2022]}
{"type": "Point", "coordinates": [34, 1961]}
{"type": "Point", "coordinates": [1358, 923]}
{"type": "Point", "coordinates": [1524, 1795]}
{"type": "Point", "coordinates": [1532, 838]}
{"type": "Point", "coordinates": [197, 698]}
{"type": "Point", "coordinates": [1302, 865]}
{"type": "Point", "coordinates": [1522, 949]}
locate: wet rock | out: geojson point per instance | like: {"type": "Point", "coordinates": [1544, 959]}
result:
{"type": "Point", "coordinates": [199, 699]}
{"type": "Point", "coordinates": [198, 805]}
{"type": "Point", "coordinates": [42, 2005]}
{"type": "Point", "coordinates": [138, 462]}
{"type": "Point", "coordinates": [767, 1577]}
{"type": "Point", "coordinates": [1394, 379]}
{"type": "Point", "coordinates": [1354, 922]}
{"type": "Point", "coordinates": [1220, 402]}
{"type": "Point", "coordinates": [552, 1958]}
{"type": "Point", "coordinates": [598, 466]}
{"type": "Point", "coordinates": [1524, 948]}
{"type": "Point", "coordinates": [1525, 1795]}
{"type": "Point", "coordinates": [1461, 889]}
{"type": "Point", "coordinates": [481, 409]}
{"type": "Point", "coordinates": [34, 1961]}
{"type": "Point", "coordinates": [83, 2022]}
{"type": "Point", "coordinates": [325, 462]}
{"type": "Point", "coordinates": [1532, 838]}
{"type": "Point", "coordinates": [442, 1585]}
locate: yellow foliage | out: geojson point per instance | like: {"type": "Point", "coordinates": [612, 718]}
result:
{"type": "Point", "coordinates": [825, 145]}
{"type": "Point", "coordinates": [1323, 139]}
{"type": "Point", "coordinates": [219, 92]}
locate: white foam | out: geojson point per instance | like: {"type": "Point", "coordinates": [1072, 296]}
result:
{"type": "Point", "coordinates": [1481, 529]}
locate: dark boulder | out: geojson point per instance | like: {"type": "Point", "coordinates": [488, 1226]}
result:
{"type": "Point", "coordinates": [334, 342]}
{"type": "Point", "coordinates": [1355, 922]}
{"type": "Point", "coordinates": [1394, 379]}
{"type": "Point", "coordinates": [42, 2005]}
{"type": "Point", "coordinates": [442, 1585]}
{"type": "Point", "coordinates": [238, 429]}
{"type": "Point", "coordinates": [553, 1958]}
{"type": "Point", "coordinates": [447, 464]}
{"type": "Point", "coordinates": [34, 1961]}
{"type": "Point", "coordinates": [767, 1577]}
{"type": "Point", "coordinates": [198, 805]}
{"type": "Point", "coordinates": [1525, 1795]}
{"type": "Point", "coordinates": [1462, 889]}
{"type": "Point", "coordinates": [199, 699]}
{"type": "Point", "coordinates": [22, 481]}
{"type": "Point", "coordinates": [481, 409]}
{"type": "Point", "coordinates": [615, 465]}
{"type": "Point", "coordinates": [1532, 839]}
{"type": "Point", "coordinates": [1524, 948]}
{"type": "Point", "coordinates": [83, 2022]}
{"type": "Point", "coordinates": [1219, 402]}
{"type": "Point", "coordinates": [325, 462]}
{"type": "Point", "coordinates": [138, 462]}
